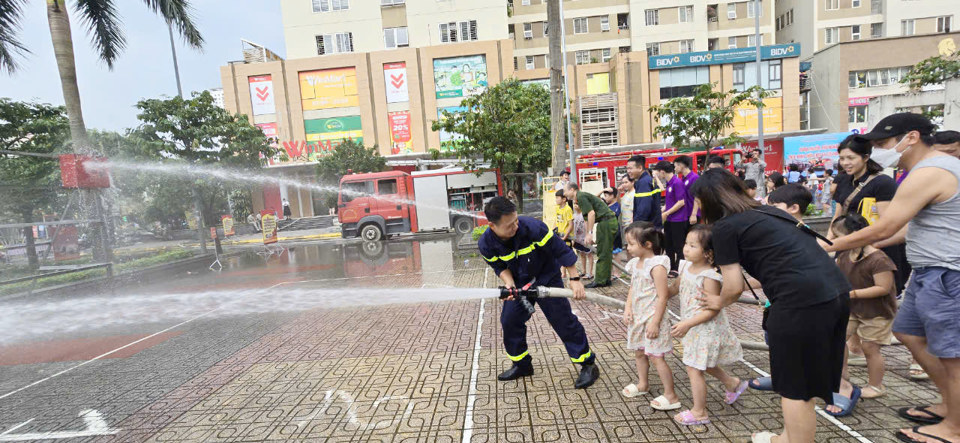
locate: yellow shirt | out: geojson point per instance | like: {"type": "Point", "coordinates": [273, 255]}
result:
{"type": "Point", "coordinates": [564, 217]}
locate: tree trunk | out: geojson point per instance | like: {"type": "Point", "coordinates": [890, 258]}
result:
{"type": "Point", "coordinates": [29, 244]}
{"type": "Point", "coordinates": [557, 121]}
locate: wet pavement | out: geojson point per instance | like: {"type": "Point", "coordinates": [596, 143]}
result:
{"type": "Point", "coordinates": [417, 371]}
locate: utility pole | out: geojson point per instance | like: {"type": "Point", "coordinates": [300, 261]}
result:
{"type": "Point", "coordinates": [566, 97]}
{"type": "Point", "coordinates": [756, 22]}
{"type": "Point", "coordinates": [554, 27]}
{"type": "Point", "coordinates": [176, 66]}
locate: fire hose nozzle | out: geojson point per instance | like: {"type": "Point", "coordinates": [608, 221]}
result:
{"type": "Point", "coordinates": [517, 293]}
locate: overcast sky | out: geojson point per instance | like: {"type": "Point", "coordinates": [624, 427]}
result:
{"type": "Point", "coordinates": [145, 68]}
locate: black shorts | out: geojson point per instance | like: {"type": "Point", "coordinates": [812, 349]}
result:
{"type": "Point", "coordinates": [806, 349]}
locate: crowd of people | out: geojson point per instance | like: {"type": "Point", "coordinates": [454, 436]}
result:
{"type": "Point", "coordinates": [889, 266]}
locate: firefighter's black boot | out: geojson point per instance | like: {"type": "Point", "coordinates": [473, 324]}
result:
{"type": "Point", "coordinates": [589, 373]}
{"type": "Point", "coordinates": [522, 368]}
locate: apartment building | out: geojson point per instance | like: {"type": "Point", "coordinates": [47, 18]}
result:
{"type": "Point", "coordinates": [326, 27]}
{"type": "Point", "coordinates": [595, 30]}
{"type": "Point", "coordinates": [818, 24]}
{"type": "Point", "coordinates": [845, 77]}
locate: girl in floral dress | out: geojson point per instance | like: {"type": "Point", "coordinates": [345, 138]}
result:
{"type": "Point", "coordinates": [648, 329]}
{"type": "Point", "coordinates": [707, 339]}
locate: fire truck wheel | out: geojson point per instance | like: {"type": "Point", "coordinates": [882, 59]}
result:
{"type": "Point", "coordinates": [463, 225]}
{"type": "Point", "coordinates": [371, 232]}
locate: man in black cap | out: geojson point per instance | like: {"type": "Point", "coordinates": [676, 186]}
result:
{"type": "Point", "coordinates": [929, 204]}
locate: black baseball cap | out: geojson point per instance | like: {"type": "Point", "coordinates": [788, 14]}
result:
{"type": "Point", "coordinates": [663, 165]}
{"type": "Point", "coordinates": [899, 124]}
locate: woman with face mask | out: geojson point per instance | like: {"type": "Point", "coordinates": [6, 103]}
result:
{"type": "Point", "coordinates": [928, 202]}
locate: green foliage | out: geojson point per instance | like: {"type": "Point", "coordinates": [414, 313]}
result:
{"type": "Point", "coordinates": [478, 231]}
{"type": "Point", "coordinates": [699, 121]}
{"type": "Point", "coordinates": [28, 184]}
{"type": "Point", "coordinates": [349, 156]}
{"type": "Point", "coordinates": [507, 126]}
{"type": "Point", "coordinates": [932, 71]}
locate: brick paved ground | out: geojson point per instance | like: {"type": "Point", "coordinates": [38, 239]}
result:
{"type": "Point", "coordinates": [401, 372]}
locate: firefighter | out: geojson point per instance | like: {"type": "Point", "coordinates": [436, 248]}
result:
{"type": "Point", "coordinates": [522, 250]}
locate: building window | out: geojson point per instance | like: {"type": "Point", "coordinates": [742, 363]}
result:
{"type": "Point", "coordinates": [652, 17]}
{"type": "Point", "coordinates": [580, 26]}
{"type": "Point", "coordinates": [530, 64]}
{"type": "Point", "coordinates": [686, 46]}
{"type": "Point", "coordinates": [731, 11]}
{"type": "Point", "coordinates": [789, 17]}
{"type": "Point", "coordinates": [653, 49]}
{"type": "Point", "coordinates": [876, 30]}
{"type": "Point", "coordinates": [739, 76]}
{"type": "Point", "coordinates": [545, 29]}
{"type": "Point", "coordinates": [907, 27]}
{"type": "Point", "coordinates": [331, 5]}
{"type": "Point", "coordinates": [516, 64]}
{"type": "Point", "coordinates": [775, 73]}
{"type": "Point", "coordinates": [524, 2]}
{"type": "Point", "coordinates": [876, 6]}
{"type": "Point", "coordinates": [731, 42]}
{"type": "Point", "coordinates": [855, 32]}
{"type": "Point", "coordinates": [392, 2]}
{"type": "Point", "coordinates": [335, 43]}
{"type": "Point", "coordinates": [583, 57]}
{"type": "Point", "coordinates": [528, 31]}
{"type": "Point", "coordinates": [752, 7]}
{"type": "Point", "coordinates": [832, 4]}
{"type": "Point", "coordinates": [855, 4]}
{"type": "Point", "coordinates": [604, 23]}
{"type": "Point", "coordinates": [752, 40]}
{"type": "Point", "coordinates": [686, 14]}
{"type": "Point", "coordinates": [682, 82]}
{"type": "Point", "coordinates": [396, 37]}
{"type": "Point", "coordinates": [458, 32]}
{"type": "Point", "coordinates": [831, 35]}
{"type": "Point", "coordinates": [877, 77]}
{"type": "Point", "coordinates": [858, 114]}
{"type": "Point", "coordinates": [778, 24]}
{"type": "Point", "coordinates": [605, 55]}
{"type": "Point", "coordinates": [745, 75]}
{"type": "Point", "coordinates": [943, 23]}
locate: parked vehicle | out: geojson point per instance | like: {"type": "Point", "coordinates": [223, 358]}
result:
{"type": "Point", "coordinates": [374, 205]}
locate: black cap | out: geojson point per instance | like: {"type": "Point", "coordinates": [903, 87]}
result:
{"type": "Point", "coordinates": [899, 124]}
{"type": "Point", "coordinates": [663, 165]}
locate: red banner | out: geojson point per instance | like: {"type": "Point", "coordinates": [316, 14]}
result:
{"type": "Point", "coordinates": [268, 224]}
{"type": "Point", "coordinates": [227, 221]}
{"type": "Point", "coordinates": [213, 232]}
{"type": "Point", "coordinates": [400, 132]}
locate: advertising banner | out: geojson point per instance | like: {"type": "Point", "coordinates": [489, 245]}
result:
{"type": "Point", "coordinates": [227, 221]}
{"type": "Point", "coordinates": [329, 88]}
{"type": "Point", "coordinates": [213, 233]}
{"type": "Point", "coordinates": [745, 118]}
{"type": "Point", "coordinates": [809, 149]}
{"type": "Point", "coordinates": [395, 77]}
{"type": "Point", "coordinates": [400, 140]}
{"type": "Point", "coordinates": [66, 244]}
{"type": "Point", "coordinates": [449, 139]}
{"type": "Point", "coordinates": [460, 76]}
{"type": "Point", "coordinates": [334, 129]}
{"type": "Point", "coordinates": [261, 94]}
{"type": "Point", "coordinates": [271, 132]}
{"type": "Point", "coordinates": [736, 55]}
{"type": "Point", "coordinates": [598, 83]}
{"type": "Point", "coordinates": [268, 224]}
{"type": "Point", "coordinates": [772, 153]}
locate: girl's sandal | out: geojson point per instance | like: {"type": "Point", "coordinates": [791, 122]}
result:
{"type": "Point", "coordinates": [631, 391]}
{"type": "Point", "coordinates": [686, 418]}
{"type": "Point", "coordinates": [917, 372]}
{"type": "Point", "coordinates": [873, 392]}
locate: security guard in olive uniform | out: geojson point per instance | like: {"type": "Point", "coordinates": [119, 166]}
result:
{"type": "Point", "coordinates": [522, 250]}
{"type": "Point", "coordinates": [596, 212]}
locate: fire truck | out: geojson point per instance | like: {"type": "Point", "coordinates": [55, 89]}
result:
{"type": "Point", "coordinates": [378, 204]}
{"type": "Point", "coordinates": [603, 169]}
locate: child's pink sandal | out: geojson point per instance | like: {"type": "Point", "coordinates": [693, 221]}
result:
{"type": "Point", "coordinates": [732, 397]}
{"type": "Point", "coordinates": [686, 418]}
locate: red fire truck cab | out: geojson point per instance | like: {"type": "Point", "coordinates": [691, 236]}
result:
{"type": "Point", "coordinates": [378, 204]}
{"type": "Point", "coordinates": [607, 167]}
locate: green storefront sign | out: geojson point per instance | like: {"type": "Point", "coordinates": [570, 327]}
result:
{"type": "Point", "coordinates": [736, 55]}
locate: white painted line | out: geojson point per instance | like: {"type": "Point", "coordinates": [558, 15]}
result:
{"type": "Point", "coordinates": [96, 425]}
{"type": "Point", "coordinates": [474, 370]}
{"type": "Point", "coordinates": [16, 427]}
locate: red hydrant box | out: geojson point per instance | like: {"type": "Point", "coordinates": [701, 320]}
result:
{"type": "Point", "coordinates": [81, 171]}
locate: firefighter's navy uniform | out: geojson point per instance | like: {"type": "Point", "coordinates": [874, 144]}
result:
{"type": "Point", "coordinates": [535, 252]}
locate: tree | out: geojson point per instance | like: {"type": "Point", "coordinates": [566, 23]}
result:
{"type": "Point", "coordinates": [506, 126]}
{"type": "Point", "coordinates": [702, 119]}
{"type": "Point", "coordinates": [350, 156]}
{"type": "Point", "coordinates": [29, 183]}
{"type": "Point", "coordinates": [933, 71]}
{"type": "Point", "coordinates": [106, 34]}
{"type": "Point", "coordinates": [196, 132]}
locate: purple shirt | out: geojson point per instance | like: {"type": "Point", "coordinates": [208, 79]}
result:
{"type": "Point", "coordinates": [688, 182]}
{"type": "Point", "coordinates": [676, 191]}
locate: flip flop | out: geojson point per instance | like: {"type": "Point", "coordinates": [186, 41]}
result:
{"type": "Point", "coordinates": [846, 404]}
{"type": "Point", "coordinates": [762, 384]}
{"type": "Point", "coordinates": [933, 418]}
{"type": "Point", "coordinates": [686, 418]}
{"type": "Point", "coordinates": [877, 392]}
{"type": "Point", "coordinates": [631, 391]}
{"type": "Point", "coordinates": [916, 430]}
{"type": "Point", "coordinates": [732, 397]}
{"type": "Point", "coordinates": [917, 372]}
{"type": "Point", "coordinates": [762, 437]}
{"type": "Point", "coordinates": [662, 404]}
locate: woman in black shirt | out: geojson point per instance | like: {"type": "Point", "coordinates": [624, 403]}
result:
{"type": "Point", "coordinates": [809, 302]}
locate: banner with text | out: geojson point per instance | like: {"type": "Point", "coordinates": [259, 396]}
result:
{"type": "Point", "coordinates": [810, 149]}
{"type": "Point", "coordinates": [395, 77]}
{"type": "Point", "coordinates": [329, 88]}
{"type": "Point", "coordinates": [460, 76]}
{"type": "Point", "coordinates": [227, 221]}
{"type": "Point", "coordinates": [449, 139]}
{"type": "Point", "coordinates": [268, 223]}
{"type": "Point", "coordinates": [745, 117]}
{"type": "Point", "coordinates": [400, 140]}
{"type": "Point", "coordinates": [261, 94]}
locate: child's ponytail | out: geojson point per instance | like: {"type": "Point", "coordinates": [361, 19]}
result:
{"type": "Point", "coordinates": [643, 232]}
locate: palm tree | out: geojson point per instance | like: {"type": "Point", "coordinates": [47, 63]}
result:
{"type": "Point", "coordinates": [103, 24]}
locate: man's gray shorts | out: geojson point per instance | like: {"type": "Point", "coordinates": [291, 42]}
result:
{"type": "Point", "coordinates": [931, 309]}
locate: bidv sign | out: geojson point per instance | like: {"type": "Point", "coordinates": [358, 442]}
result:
{"type": "Point", "coordinates": [737, 55]}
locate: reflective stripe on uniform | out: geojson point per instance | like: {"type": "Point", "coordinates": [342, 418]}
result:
{"type": "Point", "coordinates": [519, 357]}
{"type": "Point", "coordinates": [523, 251]}
{"type": "Point", "coordinates": [647, 194]}
{"type": "Point", "coordinates": [579, 359]}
